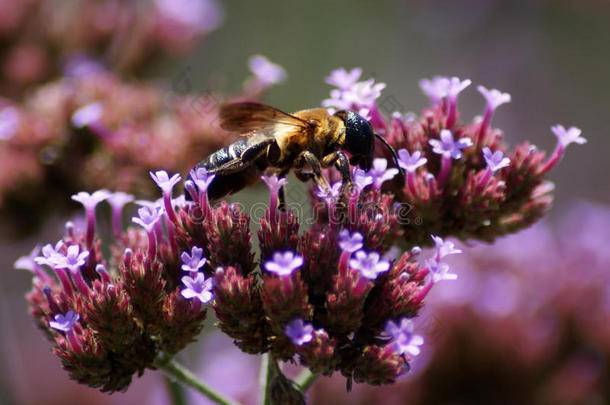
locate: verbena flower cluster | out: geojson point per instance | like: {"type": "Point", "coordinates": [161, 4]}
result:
{"type": "Point", "coordinates": [334, 297]}
{"type": "Point", "coordinates": [328, 295]}
{"type": "Point", "coordinates": [39, 38]}
{"type": "Point", "coordinates": [461, 180]}
{"type": "Point", "coordinates": [529, 312]}
{"type": "Point", "coordinates": [113, 131]}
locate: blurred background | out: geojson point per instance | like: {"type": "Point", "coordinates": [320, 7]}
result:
{"type": "Point", "coordinates": [527, 320]}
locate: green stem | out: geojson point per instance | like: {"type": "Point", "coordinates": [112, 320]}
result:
{"type": "Point", "coordinates": [305, 379]}
{"type": "Point", "coordinates": [179, 373]}
{"type": "Point", "coordinates": [263, 377]}
{"type": "Point", "coordinates": [175, 391]}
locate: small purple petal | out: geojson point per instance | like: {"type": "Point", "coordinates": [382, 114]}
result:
{"type": "Point", "coordinates": [201, 178]}
{"type": "Point", "coordinates": [284, 263]}
{"type": "Point", "coordinates": [274, 182]}
{"type": "Point", "coordinates": [147, 217]}
{"type": "Point", "coordinates": [369, 265]}
{"type": "Point", "coordinates": [495, 98]}
{"type": "Point", "coordinates": [566, 137]}
{"type": "Point", "coordinates": [9, 122]}
{"type": "Point", "coordinates": [165, 183]}
{"type": "Point", "coordinates": [496, 160]}
{"type": "Point", "coordinates": [73, 260]}
{"type": "Point", "coordinates": [266, 71]}
{"type": "Point", "coordinates": [28, 262]}
{"type": "Point", "coordinates": [405, 341]}
{"type": "Point", "coordinates": [444, 248]}
{"type": "Point", "coordinates": [119, 199]}
{"type": "Point", "coordinates": [87, 114]}
{"type": "Point", "coordinates": [64, 323]}
{"type": "Point", "coordinates": [456, 86]}
{"type": "Point", "coordinates": [447, 146]}
{"type": "Point", "coordinates": [350, 242]}
{"type": "Point", "coordinates": [299, 332]}
{"type": "Point", "coordinates": [194, 261]}
{"type": "Point", "coordinates": [362, 179]}
{"type": "Point", "coordinates": [436, 89]}
{"type": "Point", "coordinates": [89, 201]}
{"type": "Point", "coordinates": [196, 15]}
{"type": "Point", "coordinates": [440, 271]}
{"type": "Point", "coordinates": [198, 287]}
{"type": "Point", "coordinates": [410, 162]}
{"type": "Point", "coordinates": [343, 79]}
{"type": "Point", "coordinates": [381, 173]}
{"type": "Point", "coordinates": [331, 194]}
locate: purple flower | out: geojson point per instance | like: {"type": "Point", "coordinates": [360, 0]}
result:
{"type": "Point", "coordinates": [201, 178]}
{"type": "Point", "coordinates": [9, 122]}
{"type": "Point", "coordinates": [64, 323]}
{"type": "Point", "coordinates": [369, 264]}
{"type": "Point", "coordinates": [443, 248]}
{"type": "Point", "coordinates": [359, 95]}
{"type": "Point", "coordinates": [330, 194]}
{"type": "Point", "coordinates": [496, 160]}
{"type": "Point", "coordinates": [284, 263]}
{"type": "Point", "coordinates": [265, 71]}
{"type": "Point", "coordinates": [446, 146]}
{"type": "Point", "coordinates": [337, 100]}
{"type": "Point", "coordinates": [362, 179]}
{"type": "Point", "coordinates": [119, 199]}
{"type": "Point", "coordinates": [165, 183]}
{"type": "Point", "coordinates": [440, 271]}
{"type": "Point", "coordinates": [274, 182]}
{"type": "Point", "coordinates": [410, 162]}
{"type": "Point", "coordinates": [197, 15]}
{"type": "Point", "coordinates": [80, 65]}
{"type": "Point", "coordinates": [456, 86]}
{"type": "Point", "coordinates": [198, 287]}
{"type": "Point", "coordinates": [350, 242]}
{"type": "Point", "coordinates": [49, 254]}
{"type": "Point", "coordinates": [194, 261]}
{"type": "Point", "coordinates": [148, 216]}
{"type": "Point", "coordinates": [381, 173]}
{"type": "Point", "coordinates": [299, 332]}
{"type": "Point", "coordinates": [343, 79]}
{"type": "Point", "coordinates": [28, 262]}
{"type": "Point", "coordinates": [436, 89]}
{"type": "Point", "coordinates": [89, 201]}
{"type": "Point", "coordinates": [495, 98]}
{"type": "Point", "coordinates": [87, 114]}
{"type": "Point", "coordinates": [364, 93]}
{"type": "Point", "coordinates": [566, 137]}
{"type": "Point", "coordinates": [405, 341]}
{"type": "Point", "coordinates": [73, 260]}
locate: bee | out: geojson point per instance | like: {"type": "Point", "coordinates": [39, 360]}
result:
{"type": "Point", "coordinates": [305, 142]}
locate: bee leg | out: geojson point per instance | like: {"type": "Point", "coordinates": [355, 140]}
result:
{"type": "Point", "coordinates": [316, 168]}
{"type": "Point", "coordinates": [282, 193]}
{"type": "Point", "coordinates": [341, 162]}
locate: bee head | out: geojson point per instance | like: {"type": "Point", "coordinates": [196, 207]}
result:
{"type": "Point", "coordinates": [359, 138]}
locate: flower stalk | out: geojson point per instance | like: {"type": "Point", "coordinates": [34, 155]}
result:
{"type": "Point", "coordinates": [178, 372]}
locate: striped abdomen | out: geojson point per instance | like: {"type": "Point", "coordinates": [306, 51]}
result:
{"type": "Point", "coordinates": [235, 167]}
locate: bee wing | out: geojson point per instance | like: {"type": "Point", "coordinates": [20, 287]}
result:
{"type": "Point", "coordinates": [249, 118]}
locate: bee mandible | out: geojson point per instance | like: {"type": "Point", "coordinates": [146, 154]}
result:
{"type": "Point", "coordinates": [308, 139]}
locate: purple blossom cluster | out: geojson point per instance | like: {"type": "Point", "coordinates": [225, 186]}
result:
{"type": "Point", "coordinates": [327, 297]}
{"type": "Point", "coordinates": [529, 312]}
{"type": "Point", "coordinates": [460, 178]}
{"type": "Point", "coordinates": [41, 41]}
{"type": "Point", "coordinates": [334, 297]}
{"type": "Point", "coordinates": [109, 318]}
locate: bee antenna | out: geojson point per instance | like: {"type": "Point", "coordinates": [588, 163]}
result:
{"type": "Point", "coordinates": [392, 151]}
